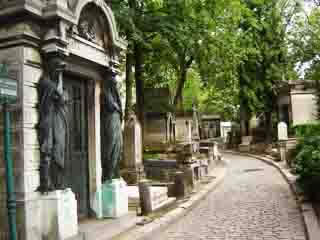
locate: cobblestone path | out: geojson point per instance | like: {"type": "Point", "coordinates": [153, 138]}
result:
{"type": "Point", "coordinates": [253, 203]}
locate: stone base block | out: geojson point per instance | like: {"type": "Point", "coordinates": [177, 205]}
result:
{"type": "Point", "coordinates": [244, 147]}
{"type": "Point", "coordinates": [114, 198]}
{"type": "Point", "coordinates": [159, 195]}
{"type": "Point", "coordinates": [59, 219]}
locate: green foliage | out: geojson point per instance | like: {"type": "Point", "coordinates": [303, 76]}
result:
{"type": "Point", "coordinates": [307, 164]}
{"type": "Point", "coordinates": [307, 130]}
{"type": "Point", "coordinates": [264, 65]}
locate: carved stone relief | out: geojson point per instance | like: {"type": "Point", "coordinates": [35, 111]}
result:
{"type": "Point", "coordinates": [93, 26]}
{"type": "Point", "coordinates": [72, 4]}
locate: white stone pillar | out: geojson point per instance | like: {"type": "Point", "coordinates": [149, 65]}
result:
{"type": "Point", "coordinates": [95, 169]}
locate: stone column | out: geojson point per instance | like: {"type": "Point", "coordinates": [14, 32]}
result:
{"type": "Point", "coordinates": [95, 169]}
{"type": "Point", "coordinates": [189, 130]}
{"type": "Point", "coordinates": [145, 197]}
{"type": "Point", "coordinates": [180, 190]}
{"type": "Point", "coordinates": [283, 138]}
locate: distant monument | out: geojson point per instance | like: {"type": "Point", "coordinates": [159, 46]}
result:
{"type": "Point", "coordinates": [195, 123]}
{"type": "Point", "coordinates": [282, 131]}
{"type": "Point", "coordinates": [283, 138]}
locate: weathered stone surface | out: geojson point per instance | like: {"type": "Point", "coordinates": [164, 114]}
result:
{"type": "Point", "coordinates": [180, 186]}
{"type": "Point", "coordinates": [59, 220]}
{"type": "Point", "coordinates": [155, 130]}
{"type": "Point", "coordinates": [304, 107]}
{"type": "Point", "coordinates": [145, 197]}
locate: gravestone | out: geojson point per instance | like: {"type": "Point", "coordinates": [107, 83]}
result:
{"type": "Point", "coordinates": [282, 131]}
{"type": "Point", "coordinates": [132, 165]}
{"type": "Point", "coordinates": [245, 143]}
{"type": "Point", "coordinates": [283, 138]}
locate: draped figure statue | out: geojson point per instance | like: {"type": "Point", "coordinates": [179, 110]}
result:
{"type": "Point", "coordinates": [52, 129]}
{"type": "Point", "coordinates": [111, 132]}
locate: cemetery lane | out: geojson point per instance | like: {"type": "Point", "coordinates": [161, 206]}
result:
{"type": "Point", "coordinates": [253, 203]}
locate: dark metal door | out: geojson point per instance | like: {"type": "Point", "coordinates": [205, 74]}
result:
{"type": "Point", "coordinates": [77, 167]}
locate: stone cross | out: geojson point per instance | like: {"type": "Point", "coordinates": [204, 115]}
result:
{"type": "Point", "coordinates": [282, 131]}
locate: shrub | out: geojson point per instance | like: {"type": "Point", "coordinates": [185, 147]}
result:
{"type": "Point", "coordinates": [307, 163]}
{"type": "Point", "coordinates": [307, 130]}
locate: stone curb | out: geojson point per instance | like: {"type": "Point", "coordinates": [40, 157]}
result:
{"type": "Point", "coordinates": [310, 219]}
{"type": "Point", "coordinates": [160, 224]}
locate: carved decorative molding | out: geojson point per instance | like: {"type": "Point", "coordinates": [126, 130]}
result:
{"type": "Point", "coordinates": [93, 26]}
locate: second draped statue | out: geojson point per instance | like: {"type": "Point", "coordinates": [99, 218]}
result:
{"type": "Point", "coordinates": [111, 132]}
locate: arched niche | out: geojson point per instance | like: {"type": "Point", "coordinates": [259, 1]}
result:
{"type": "Point", "coordinates": [93, 26]}
{"type": "Point", "coordinates": [99, 14]}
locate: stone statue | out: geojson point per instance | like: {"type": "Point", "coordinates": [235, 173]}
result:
{"type": "Point", "coordinates": [111, 132]}
{"type": "Point", "coordinates": [52, 128]}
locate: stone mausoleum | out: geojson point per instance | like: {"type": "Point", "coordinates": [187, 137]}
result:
{"type": "Point", "coordinates": [81, 37]}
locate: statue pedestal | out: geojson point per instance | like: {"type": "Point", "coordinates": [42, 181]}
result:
{"type": "Point", "coordinates": [59, 215]}
{"type": "Point", "coordinates": [114, 198]}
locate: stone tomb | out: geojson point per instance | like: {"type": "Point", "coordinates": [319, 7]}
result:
{"type": "Point", "coordinates": [82, 35]}
{"type": "Point", "coordinates": [153, 198]}
{"type": "Point", "coordinates": [245, 144]}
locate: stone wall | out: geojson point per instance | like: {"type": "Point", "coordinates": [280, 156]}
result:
{"type": "Point", "coordinates": [155, 131]}
{"type": "Point", "coordinates": [304, 108]}
{"type": "Point", "coordinates": [24, 138]}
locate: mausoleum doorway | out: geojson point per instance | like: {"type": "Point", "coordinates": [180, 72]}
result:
{"type": "Point", "coordinates": [77, 166]}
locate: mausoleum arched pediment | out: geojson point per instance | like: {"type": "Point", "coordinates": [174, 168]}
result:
{"type": "Point", "coordinates": [102, 11]}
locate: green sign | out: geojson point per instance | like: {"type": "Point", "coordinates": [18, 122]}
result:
{"type": "Point", "coordinates": [8, 86]}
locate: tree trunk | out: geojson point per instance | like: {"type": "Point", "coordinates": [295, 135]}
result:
{"type": "Point", "coordinates": [138, 55]}
{"type": "Point", "coordinates": [269, 128]}
{"type": "Point", "coordinates": [129, 64]}
{"type": "Point", "coordinates": [243, 121]}
{"type": "Point", "coordinates": [181, 81]}
{"type": "Point", "coordinates": [183, 70]}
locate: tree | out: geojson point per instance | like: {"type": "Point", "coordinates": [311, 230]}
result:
{"type": "Point", "coordinates": [265, 63]}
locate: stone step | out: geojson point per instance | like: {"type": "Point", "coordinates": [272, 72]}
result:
{"type": "Point", "coordinates": [106, 229]}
